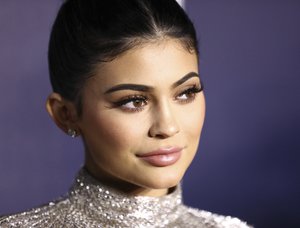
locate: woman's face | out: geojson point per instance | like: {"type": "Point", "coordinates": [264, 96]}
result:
{"type": "Point", "coordinates": [142, 118]}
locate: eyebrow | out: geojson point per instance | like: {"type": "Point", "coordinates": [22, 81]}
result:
{"type": "Point", "coordinates": [185, 78]}
{"type": "Point", "coordinates": [145, 88]}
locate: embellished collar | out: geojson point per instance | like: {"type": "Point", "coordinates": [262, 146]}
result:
{"type": "Point", "coordinates": [107, 203]}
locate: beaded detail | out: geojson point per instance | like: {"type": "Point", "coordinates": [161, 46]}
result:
{"type": "Point", "coordinates": [90, 204]}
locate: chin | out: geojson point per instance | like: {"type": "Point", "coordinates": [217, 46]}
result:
{"type": "Point", "coordinates": [164, 180]}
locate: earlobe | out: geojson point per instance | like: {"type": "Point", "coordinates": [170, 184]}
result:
{"type": "Point", "coordinates": [62, 112]}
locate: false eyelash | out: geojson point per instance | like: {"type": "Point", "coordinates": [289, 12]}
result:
{"type": "Point", "coordinates": [193, 89]}
{"type": "Point", "coordinates": [129, 99]}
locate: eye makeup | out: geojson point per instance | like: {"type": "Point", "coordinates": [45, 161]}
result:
{"type": "Point", "coordinates": [132, 103]}
{"type": "Point", "coordinates": [137, 102]}
{"type": "Point", "coordinates": [189, 94]}
{"type": "Point", "coordinates": [138, 96]}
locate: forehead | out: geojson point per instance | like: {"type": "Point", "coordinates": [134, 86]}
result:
{"type": "Point", "coordinates": [160, 62]}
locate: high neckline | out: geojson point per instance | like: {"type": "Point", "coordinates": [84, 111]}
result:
{"type": "Point", "coordinates": [108, 203]}
{"type": "Point", "coordinates": [93, 204]}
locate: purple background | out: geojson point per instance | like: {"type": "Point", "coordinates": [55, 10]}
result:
{"type": "Point", "coordinates": [248, 161]}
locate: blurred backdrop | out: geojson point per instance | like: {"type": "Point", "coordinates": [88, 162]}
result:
{"type": "Point", "coordinates": [248, 160]}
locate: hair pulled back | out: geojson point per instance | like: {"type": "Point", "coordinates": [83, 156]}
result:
{"type": "Point", "coordinates": [88, 32]}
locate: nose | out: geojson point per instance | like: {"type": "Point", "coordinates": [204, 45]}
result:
{"type": "Point", "coordinates": [164, 123]}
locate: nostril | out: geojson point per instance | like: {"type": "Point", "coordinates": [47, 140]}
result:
{"type": "Point", "coordinates": [158, 136]}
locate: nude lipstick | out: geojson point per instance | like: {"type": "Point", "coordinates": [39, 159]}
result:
{"type": "Point", "coordinates": [162, 157]}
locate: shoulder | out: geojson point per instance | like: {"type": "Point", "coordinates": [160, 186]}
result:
{"type": "Point", "coordinates": [209, 220]}
{"type": "Point", "coordinates": [52, 214]}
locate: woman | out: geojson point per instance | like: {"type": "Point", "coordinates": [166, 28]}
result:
{"type": "Point", "coordinates": [125, 79]}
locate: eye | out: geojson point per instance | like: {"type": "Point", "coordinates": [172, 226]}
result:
{"type": "Point", "coordinates": [132, 103]}
{"type": "Point", "coordinates": [189, 94]}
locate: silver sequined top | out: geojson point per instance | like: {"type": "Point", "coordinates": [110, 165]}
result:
{"type": "Point", "coordinates": [90, 204]}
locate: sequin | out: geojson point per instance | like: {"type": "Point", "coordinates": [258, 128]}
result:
{"type": "Point", "coordinates": [90, 204]}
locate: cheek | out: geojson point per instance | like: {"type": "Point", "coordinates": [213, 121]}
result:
{"type": "Point", "coordinates": [115, 130]}
{"type": "Point", "coordinates": [192, 120]}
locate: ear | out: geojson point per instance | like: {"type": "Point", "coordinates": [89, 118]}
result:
{"type": "Point", "coordinates": [63, 112]}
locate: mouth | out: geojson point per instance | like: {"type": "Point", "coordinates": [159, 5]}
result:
{"type": "Point", "coordinates": [162, 157]}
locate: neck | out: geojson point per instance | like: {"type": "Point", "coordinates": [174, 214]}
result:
{"type": "Point", "coordinates": [125, 187]}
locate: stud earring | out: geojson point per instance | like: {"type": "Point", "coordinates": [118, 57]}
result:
{"type": "Point", "coordinates": [72, 133]}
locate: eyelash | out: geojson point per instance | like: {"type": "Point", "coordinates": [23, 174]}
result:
{"type": "Point", "coordinates": [132, 98]}
{"type": "Point", "coordinates": [194, 90]}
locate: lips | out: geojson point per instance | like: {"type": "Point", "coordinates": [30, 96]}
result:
{"type": "Point", "coordinates": [162, 157]}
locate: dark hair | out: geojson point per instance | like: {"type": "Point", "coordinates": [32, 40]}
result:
{"type": "Point", "coordinates": [88, 32]}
